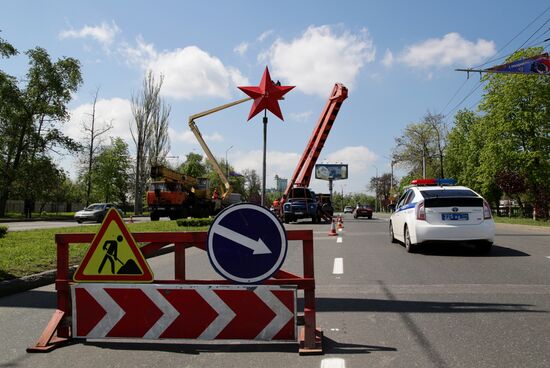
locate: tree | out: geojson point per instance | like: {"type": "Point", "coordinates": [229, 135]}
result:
{"type": "Point", "coordinates": [30, 115]}
{"type": "Point", "coordinates": [253, 186]}
{"type": "Point", "coordinates": [382, 188]}
{"type": "Point", "coordinates": [146, 107]}
{"type": "Point", "coordinates": [193, 166]}
{"type": "Point", "coordinates": [93, 138]}
{"type": "Point", "coordinates": [112, 172]}
{"type": "Point", "coordinates": [159, 145]}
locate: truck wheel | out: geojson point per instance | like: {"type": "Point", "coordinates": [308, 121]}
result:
{"type": "Point", "coordinates": [154, 217]}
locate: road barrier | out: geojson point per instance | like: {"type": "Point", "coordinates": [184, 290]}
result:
{"type": "Point", "coordinates": [266, 311]}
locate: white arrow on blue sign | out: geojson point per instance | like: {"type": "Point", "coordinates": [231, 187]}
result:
{"type": "Point", "coordinates": [246, 243]}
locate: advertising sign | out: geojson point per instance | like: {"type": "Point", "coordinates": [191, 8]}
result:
{"type": "Point", "coordinates": [331, 171]}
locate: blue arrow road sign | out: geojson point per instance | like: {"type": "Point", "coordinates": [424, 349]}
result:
{"type": "Point", "coordinates": [246, 243]}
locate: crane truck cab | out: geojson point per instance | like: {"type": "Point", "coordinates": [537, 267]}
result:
{"type": "Point", "coordinates": [300, 203]}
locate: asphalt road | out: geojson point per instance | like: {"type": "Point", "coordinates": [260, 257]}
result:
{"type": "Point", "coordinates": [442, 307]}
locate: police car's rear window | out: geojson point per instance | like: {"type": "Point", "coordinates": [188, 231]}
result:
{"type": "Point", "coordinates": [436, 193]}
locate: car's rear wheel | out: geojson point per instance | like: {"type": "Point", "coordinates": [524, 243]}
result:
{"type": "Point", "coordinates": [410, 247]}
{"type": "Point", "coordinates": [392, 237]}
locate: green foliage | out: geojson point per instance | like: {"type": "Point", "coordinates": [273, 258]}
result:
{"type": "Point", "coordinates": [195, 222]}
{"type": "Point", "coordinates": [512, 136]}
{"type": "Point", "coordinates": [422, 142]}
{"type": "Point", "coordinates": [111, 172]}
{"type": "Point", "coordinates": [3, 231]}
{"type": "Point", "coordinates": [30, 114]}
{"type": "Point", "coordinates": [193, 166]}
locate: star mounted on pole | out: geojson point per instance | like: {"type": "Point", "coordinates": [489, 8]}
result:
{"type": "Point", "coordinates": [266, 96]}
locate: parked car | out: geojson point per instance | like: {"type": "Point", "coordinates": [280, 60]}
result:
{"type": "Point", "coordinates": [363, 211]}
{"type": "Point", "coordinates": [432, 210]}
{"type": "Point", "coordinates": [95, 212]}
{"type": "Point", "coordinates": [348, 209]}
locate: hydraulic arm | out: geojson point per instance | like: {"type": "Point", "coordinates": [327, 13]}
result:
{"type": "Point", "coordinates": [206, 149]}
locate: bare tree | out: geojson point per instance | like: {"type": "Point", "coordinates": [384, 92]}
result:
{"type": "Point", "coordinates": [93, 134]}
{"type": "Point", "coordinates": [441, 131]}
{"type": "Point", "coordinates": [146, 109]}
{"type": "Point", "coordinates": [159, 145]}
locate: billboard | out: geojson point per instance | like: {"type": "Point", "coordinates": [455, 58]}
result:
{"type": "Point", "coordinates": [539, 64]}
{"type": "Point", "coordinates": [331, 171]}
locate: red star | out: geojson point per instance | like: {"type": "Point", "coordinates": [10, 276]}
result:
{"type": "Point", "coordinates": [266, 96]}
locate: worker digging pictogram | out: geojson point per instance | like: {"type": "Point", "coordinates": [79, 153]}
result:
{"type": "Point", "coordinates": [113, 255]}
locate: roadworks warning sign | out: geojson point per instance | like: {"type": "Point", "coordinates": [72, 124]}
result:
{"type": "Point", "coordinates": [113, 255]}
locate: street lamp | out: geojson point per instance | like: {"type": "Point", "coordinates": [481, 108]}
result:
{"type": "Point", "coordinates": [376, 191]}
{"type": "Point", "coordinates": [227, 162]}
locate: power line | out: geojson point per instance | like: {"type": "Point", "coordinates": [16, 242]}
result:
{"type": "Point", "coordinates": [516, 36]}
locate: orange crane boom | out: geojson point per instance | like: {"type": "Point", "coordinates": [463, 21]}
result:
{"type": "Point", "coordinates": [304, 169]}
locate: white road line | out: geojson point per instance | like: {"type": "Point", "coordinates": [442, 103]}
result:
{"type": "Point", "coordinates": [333, 363]}
{"type": "Point", "coordinates": [547, 256]}
{"type": "Point", "coordinates": [339, 239]}
{"type": "Point", "coordinates": [338, 268]}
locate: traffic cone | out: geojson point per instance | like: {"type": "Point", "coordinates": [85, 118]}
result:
{"type": "Point", "coordinates": [332, 231]}
{"type": "Point", "coordinates": [340, 222]}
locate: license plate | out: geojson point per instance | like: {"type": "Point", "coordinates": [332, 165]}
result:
{"type": "Point", "coordinates": [454, 216]}
{"type": "Point", "coordinates": [299, 213]}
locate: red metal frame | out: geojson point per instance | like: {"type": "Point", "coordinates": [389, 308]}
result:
{"type": "Point", "coordinates": [58, 330]}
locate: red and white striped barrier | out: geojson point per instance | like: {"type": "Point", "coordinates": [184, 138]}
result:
{"type": "Point", "coordinates": [156, 311]}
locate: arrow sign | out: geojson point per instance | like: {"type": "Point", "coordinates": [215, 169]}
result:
{"type": "Point", "coordinates": [184, 311]}
{"type": "Point", "coordinates": [258, 246]}
{"type": "Point", "coordinates": [233, 249]}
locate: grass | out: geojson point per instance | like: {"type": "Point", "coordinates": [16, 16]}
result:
{"type": "Point", "coordinates": [24, 253]}
{"type": "Point", "coordinates": [521, 221]}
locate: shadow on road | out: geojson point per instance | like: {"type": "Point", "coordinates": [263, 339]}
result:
{"type": "Point", "coordinates": [195, 349]}
{"type": "Point", "coordinates": [324, 304]}
{"type": "Point", "coordinates": [30, 299]}
{"type": "Point", "coordinates": [466, 250]}
{"type": "Point", "coordinates": [335, 347]}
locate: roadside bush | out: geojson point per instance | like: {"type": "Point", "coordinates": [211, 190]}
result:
{"type": "Point", "coordinates": [195, 222]}
{"type": "Point", "coordinates": [3, 231]}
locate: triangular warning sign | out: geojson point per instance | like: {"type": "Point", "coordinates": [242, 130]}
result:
{"type": "Point", "coordinates": [114, 255]}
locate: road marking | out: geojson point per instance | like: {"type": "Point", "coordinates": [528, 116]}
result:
{"type": "Point", "coordinates": [333, 363]}
{"type": "Point", "coordinates": [338, 268]}
{"type": "Point", "coordinates": [340, 230]}
{"type": "Point", "coordinates": [339, 239]}
{"type": "Point", "coordinates": [547, 256]}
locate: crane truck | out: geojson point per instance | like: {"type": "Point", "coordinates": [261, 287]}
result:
{"type": "Point", "coordinates": [298, 200]}
{"type": "Point", "coordinates": [176, 195]}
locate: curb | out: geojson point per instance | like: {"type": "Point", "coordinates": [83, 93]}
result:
{"type": "Point", "coordinates": [9, 287]}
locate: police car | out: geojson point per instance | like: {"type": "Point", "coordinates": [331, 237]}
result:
{"type": "Point", "coordinates": [436, 210]}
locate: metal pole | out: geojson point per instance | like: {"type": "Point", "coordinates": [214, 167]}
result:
{"type": "Point", "coordinates": [264, 159]}
{"type": "Point", "coordinates": [226, 161]}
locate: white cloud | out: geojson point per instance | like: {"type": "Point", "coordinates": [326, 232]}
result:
{"type": "Point", "coordinates": [186, 136]}
{"type": "Point", "coordinates": [241, 48]}
{"type": "Point", "coordinates": [104, 33]}
{"type": "Point", "coordinates": [264, 35]}
{"type": "Point", "coordinates": [278, 163]}
{"type": "Point", "coordinates": [115, 111]}
{"type": "Point", "coordinates": [189, 72]}
{"type": "Point", "coordinates": [451, 49]}
{"type": "Point", "coordinates": [301, 116]}
{"type": "Point", "coordinates": [387, 60]}
{"type": "Point", "coordinates": [359, 158]}
{"type": "Point", "coordinates": [320, 58]}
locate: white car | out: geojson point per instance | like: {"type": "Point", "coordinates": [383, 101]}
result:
{"type": "Point", "coordinates": [434, 210]}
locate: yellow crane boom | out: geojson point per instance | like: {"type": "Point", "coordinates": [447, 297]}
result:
{"type": "Point", "coordinates": [206, 149]}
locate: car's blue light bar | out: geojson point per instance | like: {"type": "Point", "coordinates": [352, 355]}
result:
{"type": "Point", "coordinates": [446, 181]}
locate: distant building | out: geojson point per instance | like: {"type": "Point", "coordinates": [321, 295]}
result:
{"type": "Point", "coordinates": [281, 183]}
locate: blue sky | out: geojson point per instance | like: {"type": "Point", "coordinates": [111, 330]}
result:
{"type": "Point", "coordinates": [397, 59]}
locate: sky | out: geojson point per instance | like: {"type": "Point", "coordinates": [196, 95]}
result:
{"type": "Point", "coordinates": [397, 59]}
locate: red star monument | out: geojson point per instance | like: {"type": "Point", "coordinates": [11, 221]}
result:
{"type": "Point", "coordinates": [266, 96]}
